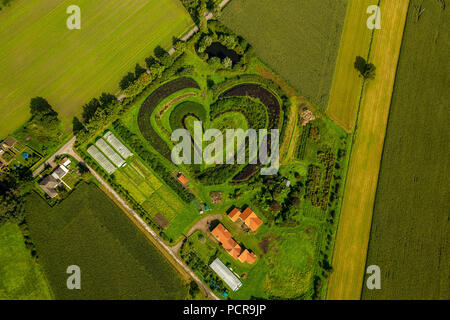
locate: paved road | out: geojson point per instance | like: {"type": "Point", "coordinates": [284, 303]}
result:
{"type": "Point", "coordinates": [65, 149]}
{"type": "Point", "coordinates": [68, 149]}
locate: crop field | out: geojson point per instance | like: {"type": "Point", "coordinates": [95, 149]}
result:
{"type": "Point", "coordinates": [409, 239]}
{"type": "Point", "coordinates": [21, 278]}
{"type": "Point", "coordinates": [346, 89]}
{"type": "Point", "coordinates": [298, 39]}
{"type": "Point", "coordinates": [148, 190]}
{"type": "Point", "coordinates": [352, 238]}
{"type": "Point", "coordinates": [34, 33]}
{"type": "Point", "coordinates": [116, 260]}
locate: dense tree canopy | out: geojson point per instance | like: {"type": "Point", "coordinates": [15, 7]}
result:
{"type": "Point", "coordinates": [43, 114]}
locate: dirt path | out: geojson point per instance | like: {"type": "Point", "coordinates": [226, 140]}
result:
{"type": "Point", "coordinates": [202, 225]}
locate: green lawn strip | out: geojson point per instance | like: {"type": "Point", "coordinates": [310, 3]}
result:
{"type": "Point", "coordinates": [21, 278]}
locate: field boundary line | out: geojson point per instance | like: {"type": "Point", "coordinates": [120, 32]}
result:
{"type": "Point", "coordinates": [353, 233]}
{"type": "Point", "coordinates": [384, 139]}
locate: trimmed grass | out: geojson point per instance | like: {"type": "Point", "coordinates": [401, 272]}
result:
{"type": "Point", "coordinates": [20, 276]}
{"type": "Point", "coordinates": [298, 39]}
{"type": "Point", "coordinates": [41, 57]}
{"type": "Point", "coordinates": [352, 239]}
{"type": "Point", "coordinates": [409, 237]}
{"type": "Point", "coordinates": [116, 259]}
{"type": "Point", "coordinates": [346, 89]}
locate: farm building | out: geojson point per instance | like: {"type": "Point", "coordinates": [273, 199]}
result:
{"type": "Point", "coordinates": [234, 214]}
{"type": "Point", "coordinates": [49, 184]}
{"type": "Point", "coordinates": [226, 275]}
{"type": "Point", "coordinates": [231, 246]}
{"type": "Point", "coordinates": [8, 143]}
{"type": "Point", "coordinates": [101, 159]}
{"type": "Point", "coordinates": [182, 178]}
{"type": "Point", "coordinates": [247, 256]}
{"type": "Point", "coordinates": [60, 172]}
{"type": "Point", "coordinates": [66, 162]}
{"type": "Point", "coordinates": [110, 153]}
{"type": "Point", "coordinates": [248, 217]}
{"type": "Point", "coordinates": [118, 145]}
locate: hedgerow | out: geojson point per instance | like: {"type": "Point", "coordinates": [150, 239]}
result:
{"type": "Point", "coordinates": [149, 106]}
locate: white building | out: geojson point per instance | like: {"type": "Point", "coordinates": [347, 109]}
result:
{"type": "Point", "coordinates": [226, 275]}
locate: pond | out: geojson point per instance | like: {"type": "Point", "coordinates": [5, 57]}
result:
{"type": "Point", "coordinates": [216, 49]}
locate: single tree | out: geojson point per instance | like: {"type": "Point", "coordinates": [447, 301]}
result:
{"type": "Point", "coordinates": [367, 70]}
{"type": "Point", "coordinates": [43, 114]}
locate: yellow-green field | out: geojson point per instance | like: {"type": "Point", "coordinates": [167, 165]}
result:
{"type": "Point", "coordinates": [346, 88]}
{"type": "Point", "coordinates": [354, 227]}
{"type": "Point", "coordinates": [39, 56]}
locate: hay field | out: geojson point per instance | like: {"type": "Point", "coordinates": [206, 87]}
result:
{"type": "Point", "coordinates": [39, 56]}
{"type": "Point", "coordinates": [298, 39]}
{"type": "Point", "coordinates": [346, 89]}
{"type": "Point", "coordinates": [352, 238]}
{"type": "Point", "coordinates": [409, 239]}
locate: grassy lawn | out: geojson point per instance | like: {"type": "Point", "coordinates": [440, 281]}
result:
{"type": "Point", "coordinates": [285, 271]}
{"type": "Point", "coordinates": [117, 261]}
{"type": "Point", "coordinates": [298, 39]}
{"type": "Point", "coordinates": [41, 57]}
{"type": "Point", "coordinates": [21, 278]}
{"type": "Point", "coordinates": [409, 237]}
{"type": "Point", "coordinates": [350, 251]}
{"type": "Point", "coordinates": [346, 89]}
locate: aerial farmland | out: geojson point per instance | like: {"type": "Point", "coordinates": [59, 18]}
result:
{"type": "Point", "coordinates": [223, 150]}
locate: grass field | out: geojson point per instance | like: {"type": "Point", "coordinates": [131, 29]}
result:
{"type": "Point", "coordinates": [298, 39]}
{"type": "Point", "coordinates": [409, 239]}
{"type": "Point", "coordinates": [116, 260]}
{"type": "Point", "coordinates": [21, 278]}
{"type": "Point", "coordinates": [350, 250]}
{"type": "Point", "coordinates": [346, 88]}
{"type": "Point", "coordinates": [41, 57]}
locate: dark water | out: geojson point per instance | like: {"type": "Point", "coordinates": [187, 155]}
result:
{"type": "Point", "coordinates": [216, 49]}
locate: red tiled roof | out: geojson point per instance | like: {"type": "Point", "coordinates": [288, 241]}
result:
{"type": "Point", "coordinates": [234, 214]}
{"type": "Point", "coordinates": [245, 214]}
{"type": "Point", "coordinates": [222, 234]}
{"type": "Point", "coordinates": [235, 251]}
{"type": "Point", "coordinates": [247, 256]}
{"type": "Point", "coordinates": [183, 180]}
{"type": "Point", "coordinates": [251, 219]}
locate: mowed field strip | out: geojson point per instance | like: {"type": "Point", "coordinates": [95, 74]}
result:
{"type": "Point", "coordinates": [39, 56]}
{"type": "Point", "coordinates": [354, 227]}
{"type": "Point", "coordinates": [346, 88]}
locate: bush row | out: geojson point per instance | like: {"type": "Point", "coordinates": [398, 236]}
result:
{"type": "Point", "coordinates": [149, 106]}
